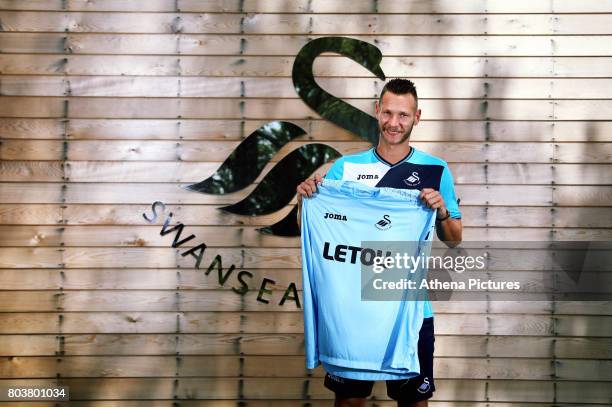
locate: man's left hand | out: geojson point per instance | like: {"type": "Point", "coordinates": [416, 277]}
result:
{"type": "Point", "coordinates": [433, 200]}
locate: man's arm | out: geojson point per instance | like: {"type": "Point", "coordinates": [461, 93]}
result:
{"type": "Point", "coordinates": [449, 230]}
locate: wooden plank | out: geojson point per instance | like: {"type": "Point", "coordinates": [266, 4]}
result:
{"type": "Point", "coordinates": [174, 279]}
{"type": "Point", "coordinates": [44, 279]}
{"type": "Point", "coordinates": [318, 24]}
{"type": "Point", "coordinates": [32, 128]}
{"type": "Point", "coordinates": [199, 215]}
{"type": "Point", "coordinates": [166, 322]}
{"type": "Point", "coordinates": [534, 234]}
{"type": "Point", "coordinates": [36, 214]}
{"type": "Point", "coordinates": [108, 193]}
{"type": "Point", "coordinates": [286, 109]}
{"type": "Point", "coordinates": [26, 345]}
{"type": "Point", "coordinates": [538, 307]}
{"type": "Point", "coordinates": [316, 6]}
{"type": "Point", "coordinates": [217, 344]}
{"type": "Point", "coordinates": [34, 43]}
{"type": "Point", "coordinates": [593, 152]}
{"type": "Point", "coordinates": [241, 236]}
{"type": "Point", "coordinates": [215, 44]}
{"type": "Point", "coordinates": [37, 258]}
{"type": "Point", "coordinates": [185, 344]}
{"type": "Point", "coordinates": [28, 323]}
{"type": "Point", "coordinates": [563, 195]}
{"type": "Point", "coordinates": [283, 366]}
{"type": "Point", "coordinates": [110, 22]}
{"type": "Point", "coordinates": [291, 323]}
{"type": "Point", "coordinates": [35, 279]}
{"type": "Point", "coordinates": [215, 152]}
{"type": "Point", "coordinates": [32, 107]}
{"type": "Point", "coordinates": [194, 129]}
{"type": "Point", "coordinates": [107, 5]}
{"type": "Point", "coordinates": [326, 65]}
{"type": "Point", "coordinates": [250, 87]}
{"type": "Point", "coordinates": [143, 257]}
{"type": "Point", "coordinates": [100, 171]}
{"type": "Point", "coordinates": [220, 298]}
{"type": "Point", "coordinates": [588, 370]}
{"type": "Point", "coordinates": [537, 217]}
{"type": "Point", "coordinates": [500, 259]}
{"type": "Point", "coordinates": [586, 348]}
{"type": "Point", "coordinates": [140, 236]}
{"type": "Point", "coordinates": [526, 391]}
{"type": "Point", "coordinates": [146, 194]}
{"type": "Point", "coordinates": [159, 150]}
{"type": "Point", "coordinates": [31, 171]}
{"type": "Point", "coordinates": [561, 174]}
{"type": "Point", "coordinates": [273, 344]}
{"type": "Point", "coordinates": [162, 300]}
{"type": "Point", "coordinates": [583, 326]}
{"type": "Point", "coordinates": [594, 393]}
{"type": "Point", "coordinates": [180, 171]}
{"type": "Point", "coordinates": [203, 322]}
{"type": "Point", "coordinates": [190, 215]}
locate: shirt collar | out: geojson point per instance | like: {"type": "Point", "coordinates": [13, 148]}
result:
{"type": "Point", "coordinates": [379, 158]}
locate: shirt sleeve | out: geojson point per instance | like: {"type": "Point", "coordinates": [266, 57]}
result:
{"type": "Point", "coordinates": [311, 339]}
{"type": "Point", "coordinates": [336, 171]}
{"type": "Point", "coordinates": [447, 190]}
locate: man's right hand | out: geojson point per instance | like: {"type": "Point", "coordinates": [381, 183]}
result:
{"type": "Point", "coordinates": [308, 187]}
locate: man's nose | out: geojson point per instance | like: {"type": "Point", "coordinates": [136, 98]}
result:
{"type": "Point", "coordinates": [393, 120]}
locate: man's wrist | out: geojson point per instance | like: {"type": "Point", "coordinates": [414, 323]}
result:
{"type": "Point", "coordinates": [443, 218]}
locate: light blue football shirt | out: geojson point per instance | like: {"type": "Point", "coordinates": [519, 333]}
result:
{"type": "Point", "coordinates": [368, 340]}
{"type": "Point", "coordinates": [417, 170]}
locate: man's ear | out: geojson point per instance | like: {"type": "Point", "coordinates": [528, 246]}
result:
{"type": "Point", "coordinates": [417, 116]}
{"type": "Point", "coordinates": [376, 108]}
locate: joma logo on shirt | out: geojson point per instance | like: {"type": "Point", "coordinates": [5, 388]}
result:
{"type": "Point", "coordinates": [366, 176]}
{"type": "Point", "coordinates": [335, 216]}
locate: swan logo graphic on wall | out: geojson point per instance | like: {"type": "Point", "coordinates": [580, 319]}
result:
{"type": "Point", "coordinates": [277, 188]}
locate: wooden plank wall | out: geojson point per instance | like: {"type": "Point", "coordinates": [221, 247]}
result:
{"type": "Point", "coordinates": [107, 106]}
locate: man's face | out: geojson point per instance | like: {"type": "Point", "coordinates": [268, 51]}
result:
{"type": "Point", "coordinates": [396, 115]}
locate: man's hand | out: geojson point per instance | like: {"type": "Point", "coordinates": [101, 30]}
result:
{"type": "Point", "coordinates": [433, 200]}
{"type": "Point", "coordinates": [449, 230]}
{"type": "Point", "coordinates": [308, 187]}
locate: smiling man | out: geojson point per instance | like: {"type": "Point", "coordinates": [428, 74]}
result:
{"type": "Point", "coordinates": [394, 163]}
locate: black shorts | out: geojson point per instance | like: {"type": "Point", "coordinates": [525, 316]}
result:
{"type": "Point", "coordinates": [411, 390]}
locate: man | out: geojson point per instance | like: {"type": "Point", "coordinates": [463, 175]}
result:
{"type": "Point", "coordinates": [395, 164]}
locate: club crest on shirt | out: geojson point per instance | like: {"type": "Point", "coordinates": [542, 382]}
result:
{"type": "Point", "coordinates": [384, 223]}
{"type": "Point", "coordinates": [413, 179]}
